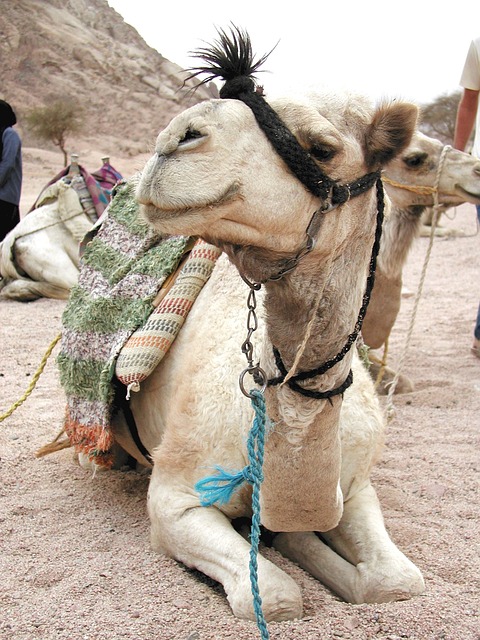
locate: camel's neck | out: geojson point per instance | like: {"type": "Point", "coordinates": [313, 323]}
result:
{"type": "Point", "coordinates": [324, 304]}
{"type": "Point", "coordinates": [305, 438]}
{"type": "Point", "coordinates": [399, 231]}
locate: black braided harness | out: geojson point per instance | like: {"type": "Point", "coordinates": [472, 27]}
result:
{"type": "Point", "coordinates": [232, 60]}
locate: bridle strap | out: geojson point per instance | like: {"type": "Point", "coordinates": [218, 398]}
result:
{"type": "Point", "coordinates": [312, 373]}
{"type": "Point", "coordinates": [418, 189]}
{"type": "Point", "coordinates": [332, 195]}
{"type": "Point", "coordinates": [309, 393]}
{"type": "Point", "coordinates": [297, 159]}
{"type": "Point", "coordinates": [424, 190]}
{"type": "Point", "coordinates": [354, 188]}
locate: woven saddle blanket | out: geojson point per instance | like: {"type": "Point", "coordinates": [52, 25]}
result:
{"type": "Point", "coordinates": [134, 292]}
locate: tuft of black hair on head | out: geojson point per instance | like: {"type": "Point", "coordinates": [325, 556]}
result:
{"type": "Point", "coordinates": [230, 57]}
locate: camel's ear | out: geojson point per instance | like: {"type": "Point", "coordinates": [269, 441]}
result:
{"type": "Point", "coordinates": [389, 133]}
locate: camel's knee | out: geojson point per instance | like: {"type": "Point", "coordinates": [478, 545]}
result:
{"type": "Point", "coordinates": [23, 290]}
{"type": "Point", "coordinates": [204, 538]}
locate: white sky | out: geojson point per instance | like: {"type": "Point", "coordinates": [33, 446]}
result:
{"type": "Point", "coordinates": [413, 49]}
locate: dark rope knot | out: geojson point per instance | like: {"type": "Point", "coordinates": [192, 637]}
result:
{"type": "Point", "coordinates": [340, 193]}
{"type": "Point", "coordinates": [236, 86]}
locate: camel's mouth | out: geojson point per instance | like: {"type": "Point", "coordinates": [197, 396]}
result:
{"type": "Point", "coordinates": [151, 212]}
{"type": "Point", "coordinates": [167, 212]}
{"type": "Point", "coordinates": [474, 198]}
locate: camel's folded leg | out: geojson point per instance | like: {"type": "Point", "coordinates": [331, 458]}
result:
{"type": "Point", "coordinates": [204, 538]}
{"type": "Point", "coordinates": [360, 562]}
{"type": "Point", "coordinates": [120, 458]}
{"type": "Point", "coordinates": [25, 290]}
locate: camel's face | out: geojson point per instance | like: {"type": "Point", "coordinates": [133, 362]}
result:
{"type": "Point", "coordinates": [419, 164]}
{"type": "Point", "coordinates": [216, 175]}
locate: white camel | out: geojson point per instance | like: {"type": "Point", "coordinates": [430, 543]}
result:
{"type": "Point", "coordinates": [40, 256]}
{"type": "Point", "coordinates": [216, 175]}
{"type": "Point", "coordinates": [423, 173]}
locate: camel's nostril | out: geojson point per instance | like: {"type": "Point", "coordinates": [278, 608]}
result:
{"type": "Point", "coordinates": [159, 161]}
{"type": "Point", "coordinates": [190, 134]}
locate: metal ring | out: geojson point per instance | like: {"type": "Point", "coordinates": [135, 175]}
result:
{"type": "Point", "coordinates": [254, 371]}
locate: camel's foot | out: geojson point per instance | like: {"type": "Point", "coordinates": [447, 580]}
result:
{"type": "Point", "coordinates": [388, 584]}
{"type": "Point", "coordinates": [357, 559]}
{"type": "Point", "coordinates": [281, 597]}
{"type": "Point", "coordinates": [120, 459]}
{"type": "Point", "coordinates": [383, 382]}
{"type": "Point", "coordinates": [204, 538]}
{"type": "Point", "coordinates": [386, 578]}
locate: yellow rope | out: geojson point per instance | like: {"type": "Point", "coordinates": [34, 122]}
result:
{"type": "Point", "coordinates": [34, 381]}
{"type": "Point", "coordinates": [424, 191]}
{"type": "Point", "coordinates": [382, 363]}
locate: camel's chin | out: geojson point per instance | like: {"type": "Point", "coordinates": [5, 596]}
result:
{"type": "Point", "coordinates": [177, 222]}
{"type": "Point", "coordinates": [473, 198]}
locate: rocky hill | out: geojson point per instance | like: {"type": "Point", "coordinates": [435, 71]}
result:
{"type": "Point", "coordinates": [84, 50]}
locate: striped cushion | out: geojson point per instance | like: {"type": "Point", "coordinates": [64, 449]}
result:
{"type": "Point", "coordinates": [147, 346]}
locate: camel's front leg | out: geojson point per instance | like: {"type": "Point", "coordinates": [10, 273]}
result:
{"type": "Point", "coordinates": [203, 538]}
{"type": "Point", "coordinates": [359, 562]}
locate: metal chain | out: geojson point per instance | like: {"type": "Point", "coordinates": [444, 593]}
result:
{"type": "Point", "coordinates": [259, 375]}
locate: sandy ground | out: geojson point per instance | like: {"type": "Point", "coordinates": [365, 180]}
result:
{"type": "Point", "coordinates": [76, 562]}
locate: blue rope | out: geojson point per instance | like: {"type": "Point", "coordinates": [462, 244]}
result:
{"type": "Point", "coordinates": [220, 487]}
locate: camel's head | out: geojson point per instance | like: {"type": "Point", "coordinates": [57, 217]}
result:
{"type": "Point", "coordinates": [410, 179]}
{"type": "Point", "coordinates": [242, 172]}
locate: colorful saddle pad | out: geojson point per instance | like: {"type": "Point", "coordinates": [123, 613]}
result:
{"type": "Point", "coordinates": [123, 267]}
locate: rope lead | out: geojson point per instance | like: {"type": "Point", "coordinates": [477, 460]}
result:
{"type": "Point", "coordinates": [436, 212]}
{"type": "Point", "coordinates": [220, 487]}
{"type": "Point", "coordinates": [34, 381]}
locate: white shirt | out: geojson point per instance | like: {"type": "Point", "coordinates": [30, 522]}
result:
{"type": "Point", "coordinates": [471, 80]}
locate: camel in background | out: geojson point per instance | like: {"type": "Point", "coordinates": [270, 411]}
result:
{"type": "Point", "coordinates": [410, 181]}
{"type": "Point", "coordinates": [40, 257]}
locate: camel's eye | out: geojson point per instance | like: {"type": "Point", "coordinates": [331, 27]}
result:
{"type": "Point", "coordinates": [323, 153]}
{"type": "Point", "coordinates": [415, 160]}
{"type": "Point", "coordinates": [190, 135]}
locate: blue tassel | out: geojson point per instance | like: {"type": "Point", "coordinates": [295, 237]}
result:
{"type": "Point", "coordinates": [220, 487]}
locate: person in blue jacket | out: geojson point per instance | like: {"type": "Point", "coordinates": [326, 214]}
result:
{"type": "Point", "coordinates": [10, 170]}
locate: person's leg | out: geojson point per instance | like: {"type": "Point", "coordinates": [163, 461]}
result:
{"type": "Point", "coordinates": [9, 217]}
{"type": "Point", "coordinates": [476, 333]}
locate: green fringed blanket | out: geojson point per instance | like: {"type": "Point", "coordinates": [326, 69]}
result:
{"type": "Point", "coordinates": [123, 267]}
